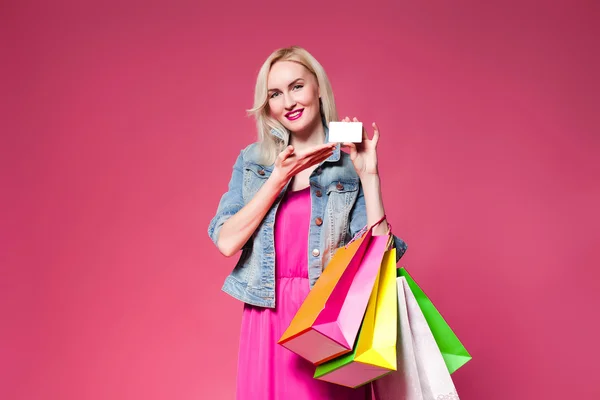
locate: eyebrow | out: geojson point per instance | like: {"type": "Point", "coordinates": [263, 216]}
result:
{"type": "Point", "coordinates": [290, 85]}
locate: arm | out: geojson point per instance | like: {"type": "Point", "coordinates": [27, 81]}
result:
{"type": "Point", "coordinates": [371, 186]}
{"type": "Point", "coordinates": [236, 231]}
{"type": "Point", "coordinates": [234, 223]}
{"type": "Point", "coordinates": [369, 204]}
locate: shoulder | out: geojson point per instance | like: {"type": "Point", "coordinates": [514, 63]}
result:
{"type": "Point", "coordinates": [251, 153]}
{"type": "Point", "coordinates": [248, 154]}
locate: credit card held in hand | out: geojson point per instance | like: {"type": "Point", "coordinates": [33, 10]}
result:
{"type": "Point", "coordinates": [341, 132]}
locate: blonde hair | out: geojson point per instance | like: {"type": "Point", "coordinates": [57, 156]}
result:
{"type": "Point", "coordinates": [271, 145]}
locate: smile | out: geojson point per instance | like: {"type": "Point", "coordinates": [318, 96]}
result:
{"type": "Point", "coordinates": [294, 114]}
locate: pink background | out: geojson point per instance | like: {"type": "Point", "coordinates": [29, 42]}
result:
{"type": "Point", "coordinates": [122, 121]}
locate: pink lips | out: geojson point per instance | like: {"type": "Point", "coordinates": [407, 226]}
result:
{"type": "Point", "coordinates": [294, 115]}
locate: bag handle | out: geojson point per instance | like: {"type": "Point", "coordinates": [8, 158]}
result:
{"type": "Point", "coordinates": [363, 230]}
{"type": "Point", "coordinates": [390, 242]}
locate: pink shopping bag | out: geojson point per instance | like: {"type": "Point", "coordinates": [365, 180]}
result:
{"type": "Point", "coordinates": [327, 323]}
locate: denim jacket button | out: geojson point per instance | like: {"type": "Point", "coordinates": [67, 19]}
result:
{"type": "Point", "coordinates": [319, 221]}
{"type": "Point", "coordinates": [318, 193]}
{"type": "Point", "coordinates": [339, 186]}
{"type": "Point", "coordinates": [261, 172]}
{"type": "Point", "coordinates": [316, 252]}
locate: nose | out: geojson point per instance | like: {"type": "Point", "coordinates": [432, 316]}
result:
{"type": "Point", "coordinates": [290, 103]}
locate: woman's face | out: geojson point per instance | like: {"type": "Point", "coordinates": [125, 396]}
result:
{"type": "Point", "coordinates": [293, 96]}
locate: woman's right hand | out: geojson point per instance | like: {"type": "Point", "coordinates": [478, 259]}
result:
{"type": "Point", "coordinates": [289, 162]}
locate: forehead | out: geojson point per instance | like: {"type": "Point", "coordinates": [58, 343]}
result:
{"type": "Point", "coordinates": [284, 72]}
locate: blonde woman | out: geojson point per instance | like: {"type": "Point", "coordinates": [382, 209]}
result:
{"type": "Point", "coordinates": [292, 200]}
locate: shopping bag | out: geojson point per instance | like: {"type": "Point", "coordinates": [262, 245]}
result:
{"type": "Point", "coordinates": [421, 371]}
{"type": "Point", "coordinates": [327, 323]}
{"type": "Point", "coordinates": [454, 353]}
{"type": "Point", "coordinates": [374, 353]}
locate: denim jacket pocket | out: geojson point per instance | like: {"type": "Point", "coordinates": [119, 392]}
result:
{"type": "Point", "coordinates": [342, 194]}
{"type": "Point", "coordinates": [255, 175]}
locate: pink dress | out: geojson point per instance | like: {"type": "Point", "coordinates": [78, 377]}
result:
{"type": "Point", "coordinates": [267, 370]}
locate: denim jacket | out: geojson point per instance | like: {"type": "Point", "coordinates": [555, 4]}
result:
{"type": "Point", "coordinates": [337, 198]}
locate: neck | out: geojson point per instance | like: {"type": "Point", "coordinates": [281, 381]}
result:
{"type": "Point", "coordinates": [310, 137]}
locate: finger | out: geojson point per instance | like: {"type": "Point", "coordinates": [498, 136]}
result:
{"type": "Point", "coordinates": [365, 137]}
{"type": "Point", "coordinates": [375, 133]}
{"type": "Point", "coordinates": [328, 149]}
{"type": "Point", "coordinates": [323, 146]}
{"type": "Point", "coordinates": [289, 151]}
{"type": "Point", "coordinates": [310, 159]}
{"type": "Point", "coordinates": [319, 149]}
{"type": "Point", "coordinates": [322, 158]}
{"type": "Point", "coordinates": [351, 147]}
{"type": "Point", "coordinates": [317, 159]}
{"type": "Point", "coordinates": [329, 145]}
{"type": "Point", "coordinates": [324, 151]}
{"type": "Point", "coordinates": [285, 154]}
{"type": "Point", "coordinates": [364, 131]}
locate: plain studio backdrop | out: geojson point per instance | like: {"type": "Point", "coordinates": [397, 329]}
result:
{"type": "Point", "coordinates": [120, 125]}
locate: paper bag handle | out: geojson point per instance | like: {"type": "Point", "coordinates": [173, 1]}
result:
{"type": "Point", "coordinates": [363, 230]}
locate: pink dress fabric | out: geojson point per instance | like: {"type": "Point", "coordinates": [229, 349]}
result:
{"type": "Point", "coordinates": [267, 370]}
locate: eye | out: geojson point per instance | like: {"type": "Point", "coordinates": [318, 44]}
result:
{"type": "Point", "coordinates": [298, 86]}
{"type": "Point", "coordinates": [272, 96]}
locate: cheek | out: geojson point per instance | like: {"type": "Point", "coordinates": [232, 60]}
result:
{"type": "Point", "coordinates": [308, 97]}
{"type": "Point", "coordinates": [274, 108]}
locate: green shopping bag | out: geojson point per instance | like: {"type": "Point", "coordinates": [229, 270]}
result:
{"type": "Point", "coordinates": [454, 353]}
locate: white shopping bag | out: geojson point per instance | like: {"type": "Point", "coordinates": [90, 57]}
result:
{"type": "Point", "coordinates": [422, 373]}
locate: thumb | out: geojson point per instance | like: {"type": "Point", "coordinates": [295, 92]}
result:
{"type": "Point", "coordinates": [351, 147]}
{"type": "Point", "coordinates": [288, 151]}
{"type": "Point", "coordinates": [285, 153]}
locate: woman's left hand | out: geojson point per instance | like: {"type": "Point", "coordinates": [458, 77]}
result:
{"type": "Point", "coordinates": [364, 154]}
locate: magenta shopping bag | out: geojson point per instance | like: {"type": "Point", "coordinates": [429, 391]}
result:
{"type": "Point", "coordinates": [345, 309]}
{"type": "Point", "coordinates": [328, 321]}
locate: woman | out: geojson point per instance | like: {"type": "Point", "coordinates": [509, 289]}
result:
{"type": "Point", "coordinates": [293, 199]}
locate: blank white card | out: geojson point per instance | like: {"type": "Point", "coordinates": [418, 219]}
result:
{"type": "Point", "coordinates": [340, 132]}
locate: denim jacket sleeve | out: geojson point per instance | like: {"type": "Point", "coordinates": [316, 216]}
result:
{"type": "Point", "coordinates": [231, 202]}
{"type": "Point", "coordinates": [358, 220]}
